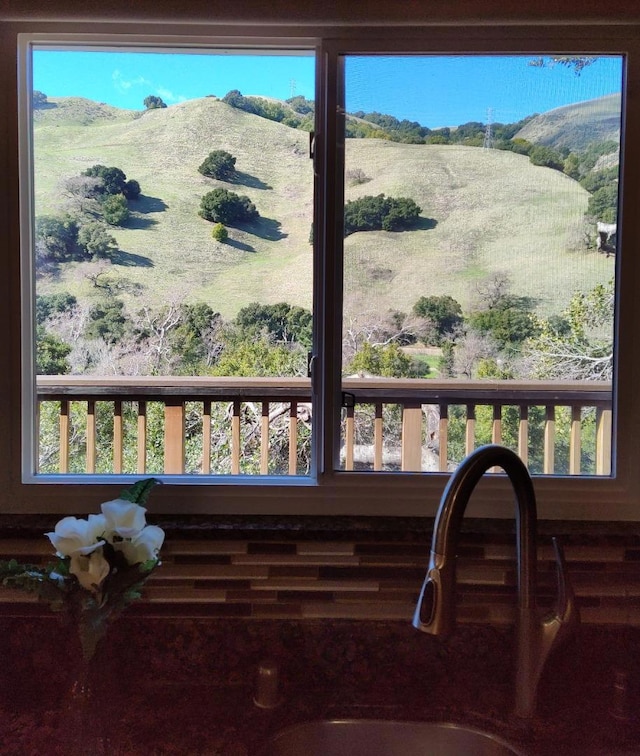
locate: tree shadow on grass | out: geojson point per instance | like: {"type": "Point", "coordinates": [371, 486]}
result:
{"type": "Point", "coordinates": [239, 245]}
{"type": "Point", "coordinates": [130, 260]}
{"type": "Point", "coordinates": [425, 224]}
{"type": "Point", "coordinates": [246, 179]}
{"type": "Point", "coordinates": [136, 223]}
{"type": "Point", "coordinates": [266, 228]}
{"type": "Point", "coordinates": [144, 204]}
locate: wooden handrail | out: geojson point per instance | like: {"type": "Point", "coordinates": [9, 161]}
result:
{"type": "Point", "coordinates": [292, 395]}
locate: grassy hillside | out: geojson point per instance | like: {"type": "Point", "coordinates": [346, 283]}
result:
{"type": "Point", "coordinates": [493, 211]}
{"type": "Point", "coordinates": [576, 126]}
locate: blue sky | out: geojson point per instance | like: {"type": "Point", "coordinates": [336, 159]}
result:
{"type": "Point", "coordinates": [435, 91]}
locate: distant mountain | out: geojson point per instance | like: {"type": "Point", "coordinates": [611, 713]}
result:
{"type": "Point", "coordinates": [576, 126]}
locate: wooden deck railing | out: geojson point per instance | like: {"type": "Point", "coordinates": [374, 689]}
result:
{"type": "Point", "coordinates": [387, 423]}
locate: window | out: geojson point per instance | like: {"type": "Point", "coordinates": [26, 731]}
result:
{"type": "Point", "coordinates": [385, 330]}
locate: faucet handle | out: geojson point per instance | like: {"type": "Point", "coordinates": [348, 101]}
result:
{"type": "Point", "coordinates": [566, 612]}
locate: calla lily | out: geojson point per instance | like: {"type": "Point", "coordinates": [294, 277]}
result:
{"type": "Point", "coordinates": [144, 546]}
{"type": "Point", "coordinates": [124, 518]}
{"type": "Point", "coordinates": [90, 569]}
{"type": "Point", "coordinates": [75, 536]}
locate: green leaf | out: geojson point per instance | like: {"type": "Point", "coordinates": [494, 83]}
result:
{"type": "Point", "coordinates": [139, 492]}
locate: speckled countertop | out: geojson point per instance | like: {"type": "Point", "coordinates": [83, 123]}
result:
{"type": "Point", "coordinates": [186, 686]}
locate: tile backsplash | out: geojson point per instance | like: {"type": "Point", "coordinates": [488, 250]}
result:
{"type": "Point", "coordinates": [371, 570]}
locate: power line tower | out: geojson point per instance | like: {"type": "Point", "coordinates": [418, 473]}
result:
{"type": "Point", "coordinates": [292, 87]}
{"type": "Point", "coordinates": [488, 131]}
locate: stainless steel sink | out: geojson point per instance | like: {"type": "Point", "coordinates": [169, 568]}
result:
{"type": "Point", "coordinates": [362, 737]}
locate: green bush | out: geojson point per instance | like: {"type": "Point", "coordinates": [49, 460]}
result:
{"type": "Point", "coordinates": [380, 213]}
{"type": "Point", "coordinates": [115, 209]}
{"type": "Point", "coordinates": [219, 164]}
{"type": "Point", "coordinates": [220, 233]}
{"type": "Point", "coordinates": [222, 206]}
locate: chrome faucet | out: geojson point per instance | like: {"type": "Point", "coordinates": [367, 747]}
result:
{"type": "Point", "coordinates": [435, 611]}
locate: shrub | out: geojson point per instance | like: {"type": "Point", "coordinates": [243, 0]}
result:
{"type": "Point", "coordinates": [220, 233]}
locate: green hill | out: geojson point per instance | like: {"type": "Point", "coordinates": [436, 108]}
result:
{"type": "Point", "coordinates": [491, 211]}
{"type": "Point", "coordinates": [576, 126]}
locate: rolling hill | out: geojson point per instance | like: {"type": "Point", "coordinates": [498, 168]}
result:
{"type": "Point", "coordinates": [484, 211]}
{"type": "Point", "coordinates": [576, 126]}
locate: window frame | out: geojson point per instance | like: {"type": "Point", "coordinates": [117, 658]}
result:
{"type": "Point", "coordinates": [334, 492]}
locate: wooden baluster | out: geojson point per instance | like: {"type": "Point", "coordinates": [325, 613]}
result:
{"type": "Point", "coordinates": [349, 432]}
{"type": "Point", "coordinates": [377, 437]}
{"type": "Point", "coordinates": [470, 430]}
{"type": "Point", "coordinates": [575, 440]}
{"type": "Point", "coordinates": [91, 436]}
{"type": "Point", "coordinates": [117, 436]}
{"type": "Point", "coordinates": [63, 462]}
{"type": "Point", "coordinates": [603, 441]}
{"type": "Point", "coordinates": [264, 439]}
{"type": "Point", "coordinates": [549, 440]}
{"type": "Point", "coordinates": [174, 414]}
{"type": "Point", "coordinates": [496, 430]}
{"type": "Point", "coordinates": [141, 461]}
{"type": "Point", "coordinates": [412, 437]}
{"type": "Point", "coordinates": [523, 434]}
{"type": "Point", "coordinates": [206, 437]}
{"type": "Point", "coordinates": [235, 438]}
{"type": "Point", "coordinates": [443, 438]}
{"type": "Point", "coordinates": [496, 425]}
{"type": "Point", "coordinates": [293, 438]}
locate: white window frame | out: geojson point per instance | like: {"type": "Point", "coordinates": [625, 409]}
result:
{"type": "Point", "coordinates": [332, 492]}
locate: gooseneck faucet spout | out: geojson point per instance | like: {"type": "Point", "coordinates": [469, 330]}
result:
{"type": "Point", "coordinates": [435, 611]}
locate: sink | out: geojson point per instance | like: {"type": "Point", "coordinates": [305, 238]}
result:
{"type": "Point", "coordinates": [362, 737]}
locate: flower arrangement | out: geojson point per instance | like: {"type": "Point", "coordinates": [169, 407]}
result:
{"type": "Point", "coordinates": [101, 565]}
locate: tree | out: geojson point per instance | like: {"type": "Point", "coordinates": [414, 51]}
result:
{"type": "Point", "coordinates": [444, 312]}
{"type": "Point", "coordinates": [577, 62]}
{"type": "Point", "coordinates": [107, 321]}
{"type": "Point", "coordinates": [56, 238]}
{"type": "Point", "coordinates": [95, 240]}
{"type": "Point", "coordinates": [579, 345]}
{"type": "Point", "coordinates": [603, 204]}
{"type": "Point", "coordinates": [219, 164]}
{"type": "Point", "coordinates": [38, 99]}
{"type": "Point", "coordinates": [547, 157]}
{"type": "Point", "coordinates": [388, 360]}
{"type": "Point", "coordinates": [115, 209]}
{"type": "Point", "coordinates": [153, 102]}
{"type": "Point", "coordinates": [282, 321]}
{"type": "Point", "coordinates": [222, 206]}
{"type": "Point", "coordinates": [131, 189]}
{"type": "Point", "coordinates": [50, 304]}
{"type": "Point", "coordinates": [51, 353]}
{"type": "Point", "coordinates": [370, 213]}
{"type": "Point", "coordinates": [510, 322]}
{"type": "Point", "coordinates": [114, 179]}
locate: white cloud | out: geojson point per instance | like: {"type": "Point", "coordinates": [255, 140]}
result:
{"type": "Point", "coordinates": [168, 95]}
{"type": "Point", "coordinates": [124, 85]}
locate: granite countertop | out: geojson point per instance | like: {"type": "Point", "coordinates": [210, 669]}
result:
{"type": "Point", "coordinates": [187, 686]}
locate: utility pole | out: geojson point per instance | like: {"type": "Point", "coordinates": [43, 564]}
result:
{"type": "Point", "coordinates": [488, 132]}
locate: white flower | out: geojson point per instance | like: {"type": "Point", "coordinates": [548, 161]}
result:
{"type": "Point", "coordinates": [76, 536]}
{"type": "Point", "coordinates": [124, 518]}
{"type": "Point", "coordinates": [90, 569]}
{"type": "Point", "coordinates": [144, 546]}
